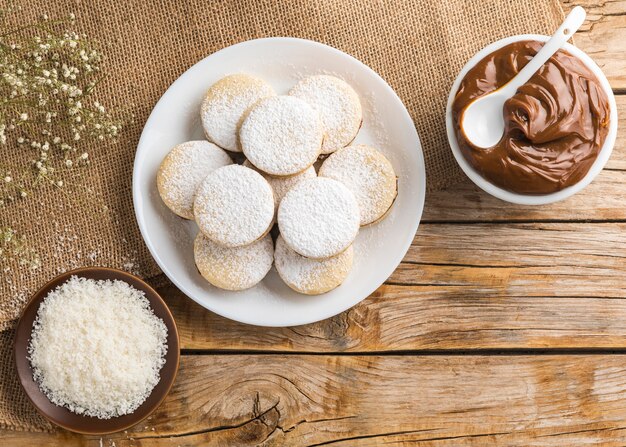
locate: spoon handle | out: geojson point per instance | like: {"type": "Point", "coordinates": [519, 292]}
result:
{"type": "Point", "coordinates": [569, 26]}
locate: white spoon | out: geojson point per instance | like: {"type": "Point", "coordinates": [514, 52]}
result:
{"type": "Point", "coordinates": [482, 121]}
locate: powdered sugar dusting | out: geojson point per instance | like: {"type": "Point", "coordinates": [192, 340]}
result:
{"type": "Point", "coordinates": [338, 106]}
{"type": "Point", "coordinates": [319, 218]}
{"type": "Point", "coordinates": [311, 276]}
{"type": "Point", "coordinates": [182, 171]}
{"type": "Point", "coordinates": [226, 103]}
{"type": "Point", "coordinates": [368, 174]}
{"type": "Point", "coordinates": [282, 135]}
{"type": "Point", "coordinates": [280, 185]}
{"type": "Point", "coordinates": [236, 268]}
{"type": "Point", "coordinates": [374, 121]}
{"type": "Point", "coordinates": [234, 206]}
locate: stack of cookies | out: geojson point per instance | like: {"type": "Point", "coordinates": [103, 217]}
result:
{"type": "Point", "coordinates": [277, 141]}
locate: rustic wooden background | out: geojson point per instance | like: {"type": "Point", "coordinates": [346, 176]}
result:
{"type": "Point", "coordinates": [504, 325]}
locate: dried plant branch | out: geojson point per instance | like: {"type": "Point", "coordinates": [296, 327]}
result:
{"type": "Point", "coordinates": [47, 77]}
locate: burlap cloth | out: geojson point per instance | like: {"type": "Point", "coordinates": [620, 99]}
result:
{"type": "Point", "coordinates": [418, 46]}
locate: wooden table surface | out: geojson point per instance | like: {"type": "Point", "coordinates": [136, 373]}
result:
{"type": "Point", "coordinates": [504, 325]}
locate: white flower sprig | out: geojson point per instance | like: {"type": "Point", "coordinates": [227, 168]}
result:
{"type": "Point", "coordinates": [48, 76]}
{"type": "Point", "coordinates": [15, 247]}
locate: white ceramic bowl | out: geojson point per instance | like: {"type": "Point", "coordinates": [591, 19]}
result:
{"type": "Point", "coordinates": [527, 199]}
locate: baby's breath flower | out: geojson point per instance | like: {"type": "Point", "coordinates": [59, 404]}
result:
{"type": "Point", "coordinates": [15, 247]}
{"type": "Point", "coordinates": [45, 75]}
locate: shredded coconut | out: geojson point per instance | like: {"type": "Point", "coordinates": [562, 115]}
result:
{"type": "Point", "coordinates": [97, 347]}
{"type": "Point", "coordinates": [183, 169]}
{"type": "Point", "coordinates": [311, 276]}
{"type": "Point", "coordinates": [226, 103]}
{"type": "Point", "coordinates": [280, 185]}
{"type": "Point", "coordinates": [368, 174]}
{"type": "Point", "coordinates": [282, 135]}
{"type": "Point", "coordinates": [319, 218]}
{"type": "Point", "coordinates": [338, 106]}
{"type": "Point", "coordinates": [236, 268]}
{"type": "Point", "coordinates": [234, 206]}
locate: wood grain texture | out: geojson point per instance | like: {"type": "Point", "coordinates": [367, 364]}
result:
{"type": "Point", "coordinates": [555, 285]}
{"type": "Point", "coordinates": [602, 36]}
{"type": "Point", "coordinates": [277, 400]}
{"type": "Point", "coordinates": [617, 162]}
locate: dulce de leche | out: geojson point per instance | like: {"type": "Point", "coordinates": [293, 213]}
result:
{"type": "Point", "coordinates": [555, 125]}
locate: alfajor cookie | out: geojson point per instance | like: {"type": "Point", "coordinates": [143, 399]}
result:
{"type": "Point", "coordinates": [338, 106]}
{"type": "Point", "coordinates": [182, 171]}
{"type": "Point", "coordinates": [235, 268]}
{"type": "Point", "coordinates": [281, 135]}
{"type": "Point", "coordinates": [234, 206]}
{"type": "Point", "coordinates": [281, 185]}
{"type": "Point", "coordinates": [368, 174]}
{"type": "Point", "coordinates": [311, 276]}
{"type": "Point", "coordinates": [226, 103]}
{"type": "Point", "coordinates": [319, 218]}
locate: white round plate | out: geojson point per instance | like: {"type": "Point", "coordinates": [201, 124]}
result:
{"type": "Point", "coordinates": [281, 62]}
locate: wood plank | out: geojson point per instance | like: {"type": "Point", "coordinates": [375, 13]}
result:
{"type": "Point", "coordinates": [603, 199]}
{"type": "Point", "coordinates": [602, 36]}
{"type": "Point", "coordinates": [278, 400]}
{"type": "Point", "coordinates": [618, 157]}
{"type": "Point", "coordinates": [555, 285]}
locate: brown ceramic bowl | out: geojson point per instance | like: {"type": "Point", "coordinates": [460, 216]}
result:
{"type": "Point", "coordinates": [63, 417]}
